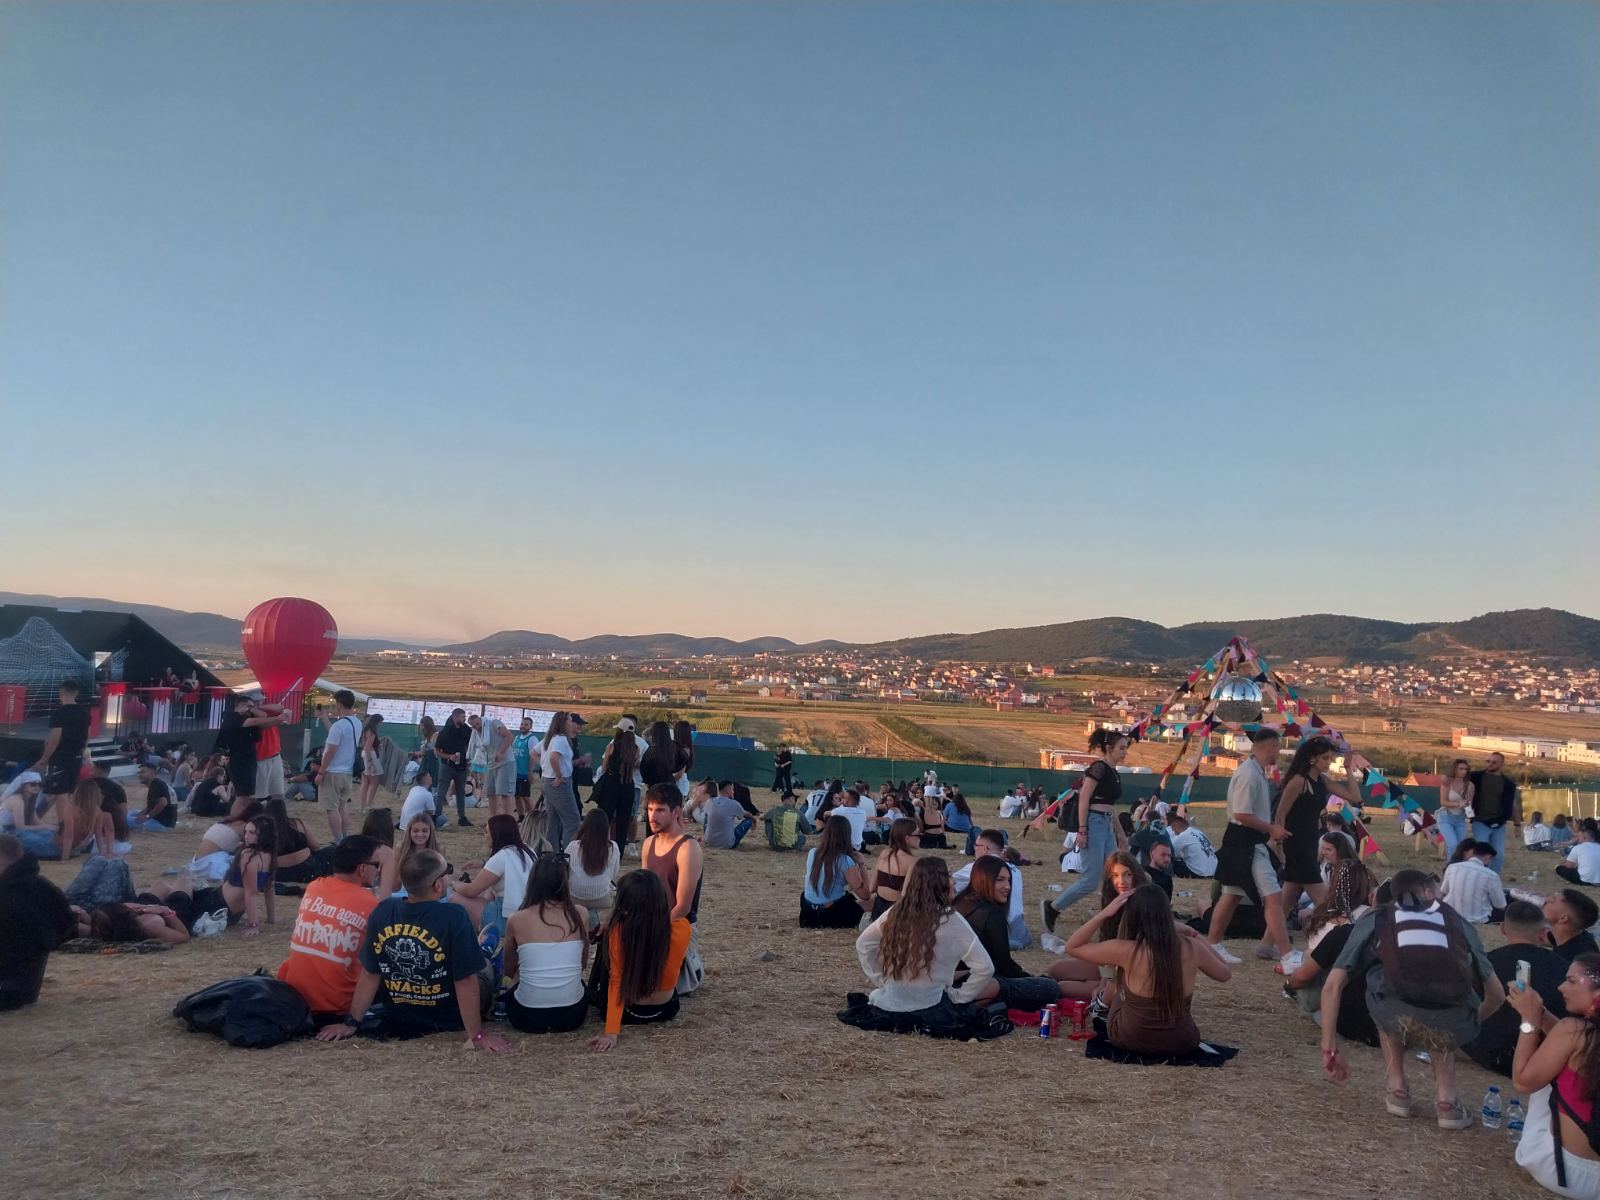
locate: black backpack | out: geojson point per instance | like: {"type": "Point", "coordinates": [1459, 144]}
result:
{"type": "Point", "coordinates": [1426, 957]}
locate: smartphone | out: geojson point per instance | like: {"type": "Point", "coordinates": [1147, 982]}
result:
{"type": "Point", "coordinates": [1524, 973]}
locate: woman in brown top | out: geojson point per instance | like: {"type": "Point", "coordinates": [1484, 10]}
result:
{"type": "Point", "coordinates": [894, 864]}
{"type": "Point", "coordinates": [1156, 962]}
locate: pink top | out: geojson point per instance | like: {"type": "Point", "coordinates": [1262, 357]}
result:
{"type": "Point", "coordinates": [1573, 1090]}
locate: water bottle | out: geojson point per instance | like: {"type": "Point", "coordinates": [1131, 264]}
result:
{"type": "Point", "coordinates": [1514, 1120]}
{"type": "Point", "coordinates": [1491, 1108]}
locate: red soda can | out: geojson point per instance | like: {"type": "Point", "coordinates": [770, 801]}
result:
{"type": "Point", "coordinates": [1047, 1021]}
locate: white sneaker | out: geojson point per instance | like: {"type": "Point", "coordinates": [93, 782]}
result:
{"type": "Point", "coordinates": [1226, 955]}
{"type": "Point", "coordinates": [1290, 963]}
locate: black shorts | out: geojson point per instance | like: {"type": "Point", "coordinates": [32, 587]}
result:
{"type": "Point", "coordinates": [546, 1020]}
{"type": "Point", "coordinates": [60, 779]}
{"type": "Point", "coordinates": [524, 787]}
{"type": "Point", "coordinates": [243, 777]}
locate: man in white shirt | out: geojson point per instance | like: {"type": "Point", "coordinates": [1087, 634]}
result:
{"type": "Point", "coordinates": [419, 802]}
{"type": "Point", "coordinates": [1192, 853]}
{"type": "Point", "coordinates": [872, 828]}
{"type": "Point", "coordinates": [992, 843]}
{"type": "Point", "coordinates": [1013, 802]}
{"type": "Point", "coordinates": [815, 800]}
{"type": "Point", "coordinates": [1582, 864]}
{"type": "Point", "coordinates": [500, 766]}
{"type": "Point", "coordinates": [1473, 889]}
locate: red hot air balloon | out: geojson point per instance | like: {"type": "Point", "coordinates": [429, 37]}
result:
{"type": "Point", "coordinates": [288, 642]}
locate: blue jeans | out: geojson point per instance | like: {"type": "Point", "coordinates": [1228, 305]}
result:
{"type": "Point", "coordinates": [742, 828]}
{"type": "Point", "coordinates": [1453, 825]}
{"type": "Point", "coordinates": [972, 839]}
{"type": "Point", "coordinates": [1101, 843]}
{"type": "Point", "coordinates": [1494, 836]}
{"type": "Point", "coordinates": [1017, 935]}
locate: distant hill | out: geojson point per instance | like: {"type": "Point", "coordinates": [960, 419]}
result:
{"type": "Point", "coordinates": [1544, 632]}
{"type": "Point", "coordinates": [192, 631]}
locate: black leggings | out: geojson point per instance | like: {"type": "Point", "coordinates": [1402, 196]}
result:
{"type": "Point", "coordinates": [1570, 874]}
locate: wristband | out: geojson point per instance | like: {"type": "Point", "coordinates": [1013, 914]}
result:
{"type": "Point", "coordinates": [478, 1037]}
{"type": "Point", "coordinates": [1329, 1055]}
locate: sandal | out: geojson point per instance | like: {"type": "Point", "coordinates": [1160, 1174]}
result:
{"type": "Point", "coordinates": [1453, 1115]}
{"type": "Point", "coordinates": [1398, 1103]}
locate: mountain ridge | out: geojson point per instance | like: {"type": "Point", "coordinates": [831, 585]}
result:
{"type": "Point", "coordinates": [1542, 632]}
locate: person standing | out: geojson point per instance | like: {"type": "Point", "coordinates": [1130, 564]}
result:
{"type": "Point", "coordinates": [62, 757]}
{"type": "Point", "coordinates": [782, 771]}
{"type": "Point", "coordinates": [240, 738]}
{"type": "Point", "coordinates": [1245, 859]}
{"type": "Point", "coordinates": [334, 773]}
{"type": "Point", "coordinates": [1302, 799]}
{"type": "Point", "coordinates": [1495, 800]}
{"type": "Point", "coordinates": [500, 769]}
{"type": "Point", "coordinates": [520, 747]}
{"type": "Point", "coordinates": [451, 746]}
{"type": "Point", "coordinates": [555, 772]}
{"type": "Point", "coordinates": [1098, 792]}
{"type": "Point", "coordinates": [1455, 798]}
{"type": "Point", "coordinates": [269, 758]}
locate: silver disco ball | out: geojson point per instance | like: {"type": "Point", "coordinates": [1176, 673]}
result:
{"type": "Point", "coordinates": [1238, 699]}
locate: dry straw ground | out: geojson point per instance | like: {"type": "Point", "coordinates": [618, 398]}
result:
{"type": "Point", "coordinates": [755, 1092]}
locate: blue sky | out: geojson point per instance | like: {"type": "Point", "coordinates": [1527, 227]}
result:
{"type": "Point", "coordinates": [815, 320]}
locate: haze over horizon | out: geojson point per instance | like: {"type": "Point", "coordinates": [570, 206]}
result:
{"type": "Point", "coordinates": [844, 321]}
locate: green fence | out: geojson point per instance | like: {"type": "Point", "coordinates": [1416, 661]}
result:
{"type": "Point", "coordinates": [754, 769]}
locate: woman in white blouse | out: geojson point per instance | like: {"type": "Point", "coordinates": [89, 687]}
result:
{"type": "Point", "coordinates": [910, 953]}
{"type": "Point", "coordinates": [547, 949]}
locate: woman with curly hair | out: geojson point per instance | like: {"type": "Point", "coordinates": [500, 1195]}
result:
{"type": "Point", "coordinates": [910, 954]}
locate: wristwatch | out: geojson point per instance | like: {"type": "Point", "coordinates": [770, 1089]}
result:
{"type": "Point", "coordinates": [352, 1022]}
{"type": "Point", "coordinates": [1527, 1027]}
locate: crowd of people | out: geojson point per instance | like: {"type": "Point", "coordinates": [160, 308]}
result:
{"type": "Point", "coordinates": [547, 932]}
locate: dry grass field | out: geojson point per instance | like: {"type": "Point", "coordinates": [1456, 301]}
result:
{"type": "Point", "coordinates": [755, 1092]}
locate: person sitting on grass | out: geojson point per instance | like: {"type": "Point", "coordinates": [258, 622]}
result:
{"type": "Point", "coordinates": [1155, 963]}
{"type": "Point", "coordinates": [1334, 847]}
{"type": "Point", "coordinates": [910, 954]}
{"type": "Point", "coordinates": [1536, 834]}
{"type": "Point", "coordinates": [643, 948]}
{"type": "Point", "coordinates": [594, 860]}
{"type": "Point", "coordinates": [547, 948]}
{"type": "Point", "coordinates": [419, 802]}
{"type": "Point", "coordinates": [1081, 979]}
{"type": "Point", "coordinates": [330, 927]}
{"type": "Point", "coordinates": [894, 862]}
{"type": "Point", "coordinates": [958, 818]}
{"type": "Point", "coordinates": [1557, 1065]}
{"type": "Point", "coordinates": [300, 858]}
{"type": "Point", "coordinates": [726, 820]}
{"type": "Point", "coordinates": [785, 825]}
{"type": "Point", "coordinates": [423, 956]}
{"type": "Point", "coordinates": [1158, 865]}
{"type": "Point", "coordinates": [1562, 832]}
{"type": "Point", "coordinates": [1346, 901]}
{"type": "Point", "coordinates": [1470, 887]}
{"type": "Point", "coordinates": [984, 902]}
{"type": "Point", "coordinates": [1581, 861]}
{"type": "Point", "coordinates": [834, 893]}
{"type": "Point", "coordinates": [221, 840]}
{"type": "Point", "coordinates": [1429, 986]}
{"type": "Point", "coordinates": [160, 805]}
{"type": "Point", "coordinates": [929, 812]}
{"type": "Point", "coordinates": [1523, 926]}
{"type": "Point", "coordinates": [992, 843]}
{"type": "Point", "coordinates": [379, 826]}
{"type": "Point", "coordinates": [503, 877]}
{"type": "Point", "coordinates": [34, 919]}
{"type": "Point", "coordinates": [1570, 913]}
{"type": "Point", "coordinates": [1192, 852]}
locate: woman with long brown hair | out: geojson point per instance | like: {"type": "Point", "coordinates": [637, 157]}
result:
{"type": "Point", "coordinates": [835, 891]}
{"type": "Point", "coordinates": [636, 973]}
{"type": "Point", "coordinates": [546, 950]}
{"type": "Point", "coordinates": [895, 860]}
{"type": "Point", "coordinates": [614, 790]}
{"type": "Point", "coordinates": [1155, 968]}
{"type": "Point", "coordinates": [503, 876]}
{"type": "Point", "coordinates": [1080, 978]}
{"type": "Point", "coordinates": [910, 954]}
{"type": "Point", "coordinates": [984, 902]}
{"type": "Point", "coordinates": [594, 857]}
